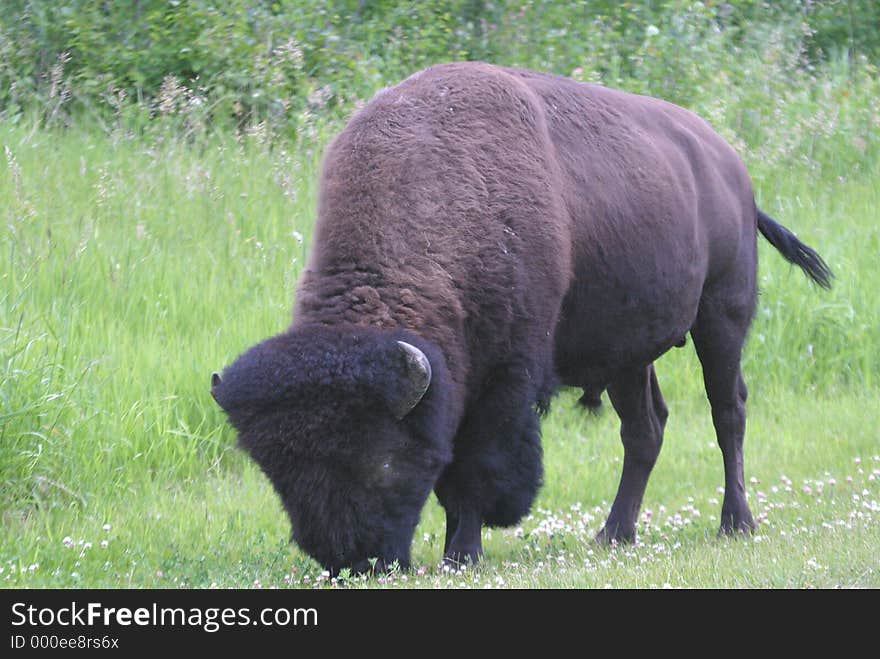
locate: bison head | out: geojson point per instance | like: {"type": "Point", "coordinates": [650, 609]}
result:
{"type": "Point", "coordinates": [349, 426]}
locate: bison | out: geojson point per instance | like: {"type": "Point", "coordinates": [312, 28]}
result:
{"type": "Point", "coordinates": [484, 236]}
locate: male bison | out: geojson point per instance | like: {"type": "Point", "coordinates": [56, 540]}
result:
{"type": "Point", "coordinates": [483, 235]}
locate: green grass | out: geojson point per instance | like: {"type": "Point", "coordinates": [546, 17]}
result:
{"type": "Point", "coordinates": [132, 268]}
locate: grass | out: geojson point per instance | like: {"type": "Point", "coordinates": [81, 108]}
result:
{"type": "Point", "coordinates": [133, 267]}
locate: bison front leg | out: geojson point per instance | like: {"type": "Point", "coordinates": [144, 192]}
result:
{"type": "Point", "coordinates": [496, 471]}
{"type": "Point", "coordinates": [638, 402]}
{"type": "Point", "coordinates": [464, 542]}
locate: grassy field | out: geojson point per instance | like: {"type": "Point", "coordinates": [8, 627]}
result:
{"type": "Point", "coordinates": [133, 267]}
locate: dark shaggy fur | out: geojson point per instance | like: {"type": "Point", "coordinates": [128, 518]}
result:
{"type": "Point", "coordinates": [520, 230]}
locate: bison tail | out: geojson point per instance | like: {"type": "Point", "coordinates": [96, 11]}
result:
{"type": "Point", "coordinates": [794, 250]}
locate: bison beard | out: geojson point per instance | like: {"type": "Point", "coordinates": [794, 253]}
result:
{"type": "Point", "coordinates": [483, 235]}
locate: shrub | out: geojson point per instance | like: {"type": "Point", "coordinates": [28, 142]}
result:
{"type": "Point", "coordinates": [278, 66]}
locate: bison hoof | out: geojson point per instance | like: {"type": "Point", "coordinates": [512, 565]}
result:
{"type": "Point", "coordinates": [456, 560]}
{"type": "Point", "coordinates": [615, 535]}
{"type": "Point", "coordinates": [734, 525]}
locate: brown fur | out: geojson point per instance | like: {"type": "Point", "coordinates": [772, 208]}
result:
{"type": "Point", "coordinates": [444, 188]}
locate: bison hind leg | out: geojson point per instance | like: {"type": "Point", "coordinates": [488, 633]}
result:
{"type": "Point", "coordinates": [635, 395]}
{"type": "Point", "coordinates": [719, 334]}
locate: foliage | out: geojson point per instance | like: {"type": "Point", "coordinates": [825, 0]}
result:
{"type": "Point", "coordinates": [252, 61]}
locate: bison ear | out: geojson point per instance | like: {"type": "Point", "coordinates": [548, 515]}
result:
{"type": "Point", "coordinates": [417, 379]}
{"type": "Point", "coordinates": [215, 380]}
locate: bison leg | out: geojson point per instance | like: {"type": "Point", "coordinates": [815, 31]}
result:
{"type": "Point", "coordinates": [636, 398]}
{"type": "Point", "coordinates": [718, 337]}
{"type": "Point", "coordinates": [464, 541]}
{"type": "Point", "coordinates": [497, 469]}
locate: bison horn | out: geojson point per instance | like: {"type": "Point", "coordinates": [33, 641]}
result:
{"type": "Point", "coordinates": [418, 371]}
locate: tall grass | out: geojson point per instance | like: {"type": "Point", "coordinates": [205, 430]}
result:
{"type": "Point", "coordinates": [137, 260]}
{"type": "Point", "coordinates": [129, 268]}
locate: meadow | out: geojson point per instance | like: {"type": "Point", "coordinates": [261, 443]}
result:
{"type": "Point", "coordinates": [136, 258]}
